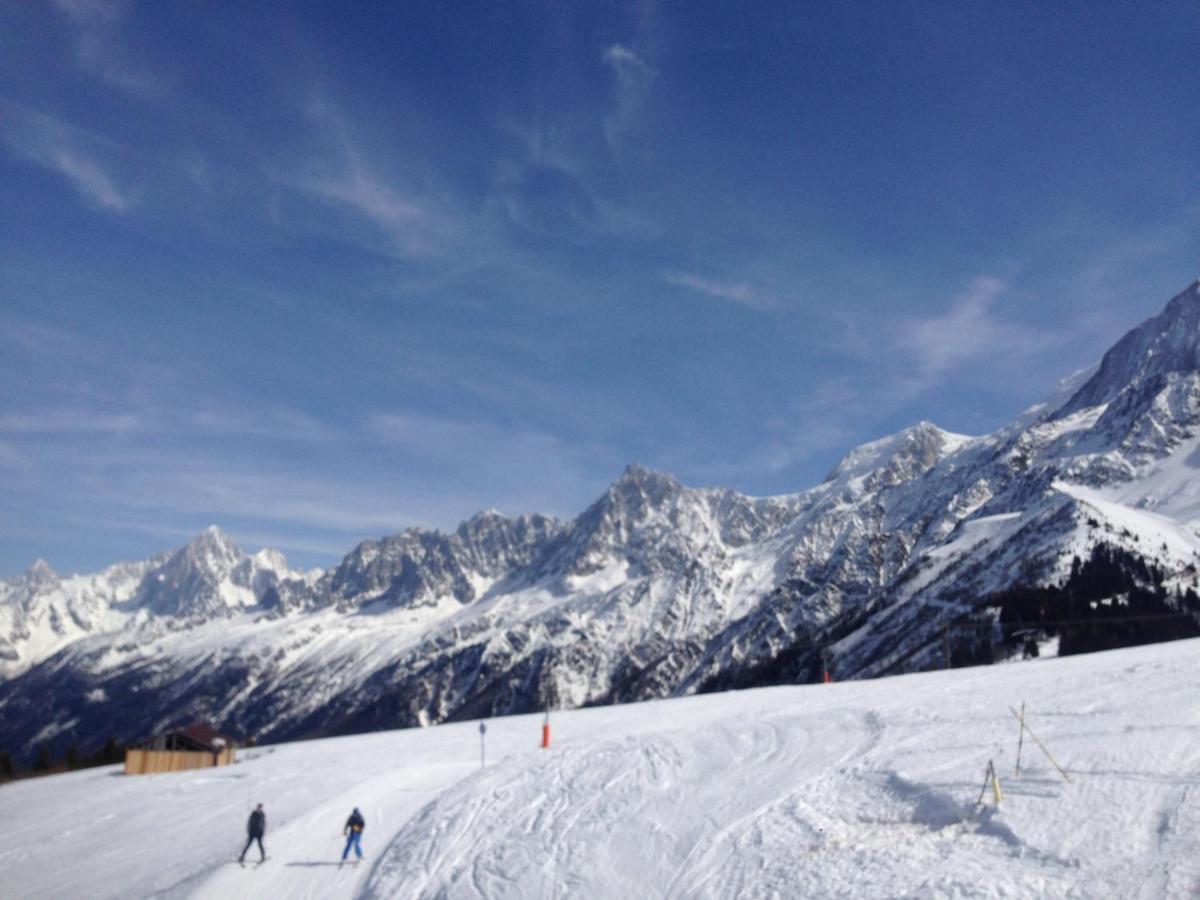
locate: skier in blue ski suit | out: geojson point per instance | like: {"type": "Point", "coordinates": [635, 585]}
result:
{"type": "Point", "coordinates": [353, 831]}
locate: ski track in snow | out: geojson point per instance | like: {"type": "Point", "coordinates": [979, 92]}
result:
{"type": "Point", "coordinates": [855, 790]}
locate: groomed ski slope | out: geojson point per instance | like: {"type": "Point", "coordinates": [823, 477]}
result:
{"type": "Point", "coordinates": [854, 790]}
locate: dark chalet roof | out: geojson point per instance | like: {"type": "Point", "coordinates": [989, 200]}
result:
{"type": "Point", "coordinates": [198, 735]}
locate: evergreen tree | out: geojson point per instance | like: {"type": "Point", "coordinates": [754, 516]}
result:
{"type": "Point", "coordinates": [42, 762]}
{"type": "Point", "coordinates": [6, 765]}
{"type": "Point", "coordinates": [111, 753]}
{"type": "Point", "coordinates": [72, 757]}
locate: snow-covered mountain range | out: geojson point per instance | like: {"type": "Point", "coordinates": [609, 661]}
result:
{"type": "Point", "coordinates": [657, 589]}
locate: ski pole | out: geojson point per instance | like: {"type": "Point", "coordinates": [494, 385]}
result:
{"type": "Point", "coordinates": [1020, 737]}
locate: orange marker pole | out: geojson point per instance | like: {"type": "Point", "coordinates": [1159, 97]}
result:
{"type": "Point", "coordinates": [546, 732]}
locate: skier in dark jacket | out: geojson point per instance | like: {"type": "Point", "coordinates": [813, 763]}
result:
{"type": "Point", "coordinates": [255, 829]}
{"type": "Point", "coordinates": [353, 831]}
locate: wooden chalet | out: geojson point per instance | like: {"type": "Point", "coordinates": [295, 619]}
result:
{"type": "Point", "coordinates": [196, 746]}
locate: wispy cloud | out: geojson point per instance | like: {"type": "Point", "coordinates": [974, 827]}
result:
{"type": "Point", "coordinates": [554, 184]}
{"type": "Point", "coordinates": [185, 492]}
{"type": "Point", "coordinates": [402, 220]}
{"type": "Point", "coordinates": [942, 342]}
{"type": "Point", "coordinates": [272, 423]}
{"type": "Point", "coordinates": [444, 439]}
{"type": "Point", "coordinates": [342, 175]}
{"type": "Point", "coordinates": [899, 363]}
{"type": "Point", "coordinates": [514, 468]}
{"type": "Point", "coordinates": [205, 491]}
{"type": "Point", "coordinates": [90, 180]}
{"type": "Point", "coordinates": [969, 331]}
{"type": "Point", "coordinates": [70, 421]}
{"type": "Point", "coordinates": [38, 339]}
{"type": "Point", "coordinates": [181, 469]}
{"type": "Point", "coordinates": [170, 420]}
{"type": "Point", "coordinates": [1126, 276]}
{"type": "Point", "coordinates": [828, 417]}
{"type": "Point", "coordinates": [12, 458]}
{"type": "Point", "coordinates": [98, 48]}
{"type": "Point", "coordinates": [740, 292]}
{"type": "Point", "coordinates": [822, 422]}
{"type": "Point", "coordinates": [180, 483]}
{"type": "Point", "coordinates": [373, 198]}
{"type": "Point", "coordinates": [556, 181]}
{"type": "Point", "coordinates": [69, 151]}
{"type": "Point", "coordinates": [633, 79]}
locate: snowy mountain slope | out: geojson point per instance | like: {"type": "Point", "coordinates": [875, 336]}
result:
{"type": "Point", "coordinates": [1136, 445]}
{"type": "Point", "coordinates": [41, 612]}
{"type": "Point", "coordinates": [208, 578]}
{"type": "Point", "coordinates": [853, 790]}
{"type": "Point", "coordinates": [657, 589]}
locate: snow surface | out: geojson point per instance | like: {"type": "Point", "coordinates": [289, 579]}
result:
{"type": "Point", "coordinates": [863, 789]}
{"type": "Point", "coordinates": [1174, 537]}
{"type": "Point", "coordinates": [1170, 486]}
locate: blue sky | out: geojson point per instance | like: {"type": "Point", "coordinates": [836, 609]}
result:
{"type": "Point", "coordinates": [317, 272]}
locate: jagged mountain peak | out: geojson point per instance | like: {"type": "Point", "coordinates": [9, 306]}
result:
{"type": "Point", "coordinates": [39, 579]}
{"type": "Point", "coordinates": [195, 579]}
{"type": "Point", "coordinates": [40, 573]}
{"type": "Point", "coordinates": [641, 485]}
{"type": "Point", "coordinates": [483, 522]}
{"type": "Point", "coordinates": [914, 449]}
{"type": "Point", "coordinates": [1163, 344]}
{"type": "Point", "coordinates": [636, 493]}
{"type": "Point", "coordinates": [271, 560]}
{"type": "Point", "coordinates": [212, 551]}
{"type": "Point", "coordinates": [490, 514]}
{"type": "Point", "coordinates": [1187, 299]}
{"type": "Point", "coordinates": [213, 538]}
{"type": "Point", "coordinates": [636, 473]}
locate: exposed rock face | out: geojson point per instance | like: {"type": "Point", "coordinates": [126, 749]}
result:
{"type": "Point", "coordinates": [1143, 359]}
